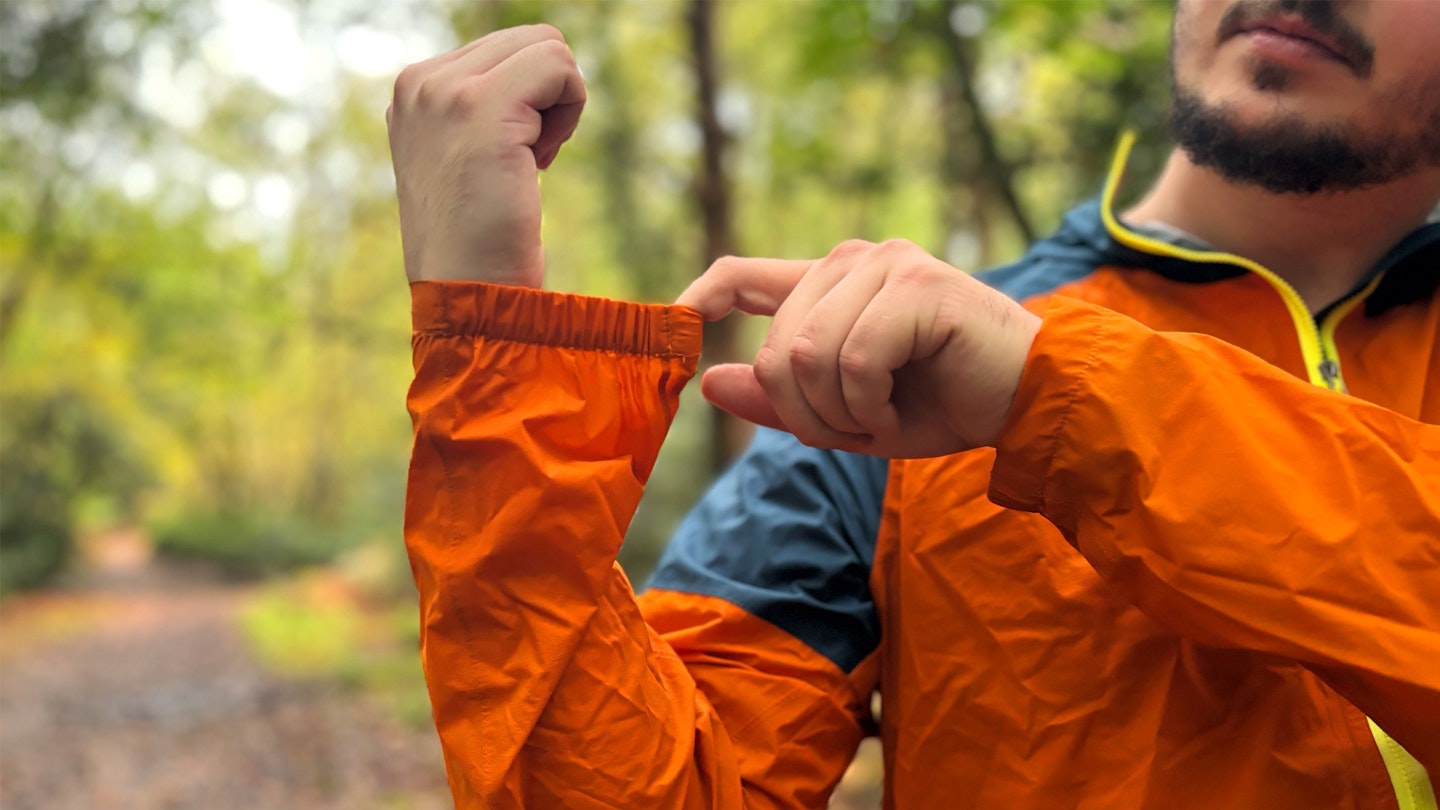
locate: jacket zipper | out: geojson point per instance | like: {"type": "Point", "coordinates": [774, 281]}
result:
{"type": "Point", "coordinates": [1411, 783]}
{"type": "Point", "coordinates": [1330, 374]}
{"type": "Point", "coordinates": [1407, 775]}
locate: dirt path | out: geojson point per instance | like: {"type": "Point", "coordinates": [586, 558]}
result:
{"type": "Point", "coordinates": [133, 689]}
{"type": "Point", "coordinates": [148, 698]}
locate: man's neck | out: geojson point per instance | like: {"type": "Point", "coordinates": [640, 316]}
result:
{"type": "Point", "coordinates": [1322, 244]}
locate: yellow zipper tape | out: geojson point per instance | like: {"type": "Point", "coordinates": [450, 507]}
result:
{"type": "Point", "coordinates": [1407, 775]}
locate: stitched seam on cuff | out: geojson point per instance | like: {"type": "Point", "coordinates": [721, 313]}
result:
{"type": "Point", "coordinates": [668, 353]}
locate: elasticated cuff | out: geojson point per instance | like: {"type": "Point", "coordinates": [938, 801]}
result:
{"type": "Point", "coordinates": [562, 320]}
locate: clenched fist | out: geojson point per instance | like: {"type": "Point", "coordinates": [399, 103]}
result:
{"type": "Point", "coordinates": [879, 349]}
{"type": "Point", "coordinates": [468, 132]}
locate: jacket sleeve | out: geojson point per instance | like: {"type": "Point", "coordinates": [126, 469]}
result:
{"type": "Point", "coordinates": [538, 417]}
{"type": "Point", "coordinates": [1238, 505]}
{"type": "Point", "coordinates": [769, 574]}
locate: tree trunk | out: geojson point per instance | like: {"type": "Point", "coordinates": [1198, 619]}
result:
{"type": "Point", "coordinates": [728, 435]}
{"type": "Point", "coordinates": [998, 171]}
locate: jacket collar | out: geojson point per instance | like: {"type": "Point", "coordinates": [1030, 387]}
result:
{"type": "Point", "coordinates": [1409, 272]}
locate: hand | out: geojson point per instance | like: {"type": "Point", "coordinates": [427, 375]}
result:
{"type": "Point", "coordinates": [878, 349]}
{"type": "Point", "coordinates": [469, 130]}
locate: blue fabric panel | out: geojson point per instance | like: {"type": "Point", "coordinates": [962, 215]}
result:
{"type": "Point", "coordinates": [788, 534]}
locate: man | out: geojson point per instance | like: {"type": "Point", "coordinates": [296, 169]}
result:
{"type": "Point", "coordinates": [1140, 548]}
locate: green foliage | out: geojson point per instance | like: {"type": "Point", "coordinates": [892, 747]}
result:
{"type": "Point", "coordinates": [316, 626]}
{"type": "Point", "coordinates": [301, 637]}
{"type": "Point", "coordinates": [247, 369]}
{"type": "Point", "coordinates": [35, 543]}
{"type": "Point", "coordinates": [60, 454]}
{"type": "Point", "coordinates": [390, 672]}
{"type": "Point", "coordinates": [247, 544]}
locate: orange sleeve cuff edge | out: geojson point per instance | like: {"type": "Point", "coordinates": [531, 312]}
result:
{"type": "Point", "coordinates": [561, 320]}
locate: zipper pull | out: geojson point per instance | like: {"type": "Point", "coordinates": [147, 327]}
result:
{"type": "Point", "coordinates": [1330, 372]}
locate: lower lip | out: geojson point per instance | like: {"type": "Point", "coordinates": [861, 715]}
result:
{"type": "Point", "coordinates": [1294, 50]}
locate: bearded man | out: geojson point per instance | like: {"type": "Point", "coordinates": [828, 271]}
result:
{"type": "Point", "coordinates": [1149, 519]}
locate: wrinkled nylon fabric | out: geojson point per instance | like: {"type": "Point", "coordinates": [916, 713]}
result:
{"type": "Point", "coordinates": [1256, 559]}
{"type": "Point", "coordinates": [527, 466]}
{"type": "Point", "coordinates": [538, 417]}
{"type": "Point", "coordinates": [549, 689]}
{"type": "Point", "coordinates": [1337, 569]}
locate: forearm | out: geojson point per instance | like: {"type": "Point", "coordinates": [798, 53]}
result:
{"type": "Point", "coordinates": [1238, 505]}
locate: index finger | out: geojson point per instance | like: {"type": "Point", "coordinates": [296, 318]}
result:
{"type": "Point", "coordinates": [757, 286]}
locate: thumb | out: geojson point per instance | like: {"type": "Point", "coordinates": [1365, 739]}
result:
{"type": "Point", "coordinates": [732, 388]}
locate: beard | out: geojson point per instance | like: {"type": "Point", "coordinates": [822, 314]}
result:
{"type": "Point", "coordinates": [1290, 155]}
{"type": "Point", "coordinates": [1286, 155]}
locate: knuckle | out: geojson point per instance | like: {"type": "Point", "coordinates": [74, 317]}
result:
{"type": "Point", "coordinates": [899, 246]}
{"type": "Point", "coordinates": [541, 37]}
{"type": "Point", "coordinates": [851, 247]}
{"type": "Point", "coordinates": [463, 99]}
{"type": "Point", "coordinates": [459, 99]}
{"type": "Point", "coordinates": [853, 361]}
{"type": "Point", "coordinates": [768, 368]}
{"type": "Point", "coordinates": [428, 93]}
{"type": "Point", "coordinates": [556, 51]}
{"type": "Point", "coordinates": [551, 46]}
{"type": "Point", "coordinates": [408, 80]}
{"type": "Point", "coordinates": [548, 31]}
{"type": "Point", "coordinates": [805, 352]}
{"type": "Point", "coordinates": [722, 267]}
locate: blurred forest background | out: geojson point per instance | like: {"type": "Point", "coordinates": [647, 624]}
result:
{"type": "Point", "coordinates": [204, 321]}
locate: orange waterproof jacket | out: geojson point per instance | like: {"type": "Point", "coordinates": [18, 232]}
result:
{"type": "Point", "coordinates": [1190, 577]}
